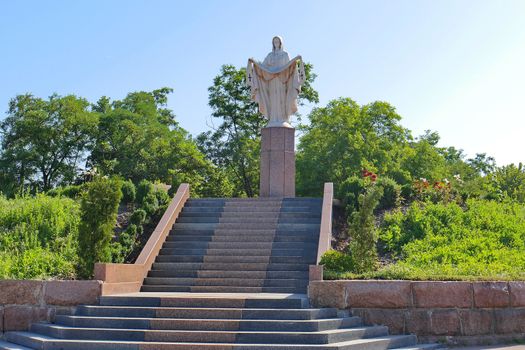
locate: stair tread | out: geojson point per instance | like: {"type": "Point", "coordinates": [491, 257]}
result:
{"type": "Point", "coordinates": [11, 346]}
{"type": "Point", "coordinates": [211, 319]}
{"type": "Point", "coordinates": [329, 331]}
{"type": "Point", "coordinates": [44, 338]}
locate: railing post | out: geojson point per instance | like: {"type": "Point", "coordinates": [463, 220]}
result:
{"type": "Point", "coordinates": [325, 234]}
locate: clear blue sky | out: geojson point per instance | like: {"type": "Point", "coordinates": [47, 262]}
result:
{"type": "Point", "coordinates": [453, 66]}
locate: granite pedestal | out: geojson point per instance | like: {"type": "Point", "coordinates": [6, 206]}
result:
{"type": "Point", "coordinates": [277, 162]}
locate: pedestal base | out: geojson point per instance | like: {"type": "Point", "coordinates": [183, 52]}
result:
{"type": "Point", "coordinates": [277, 162]}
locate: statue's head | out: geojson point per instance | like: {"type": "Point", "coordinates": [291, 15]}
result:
{"type": "Point", "coordinates": [277, 43]}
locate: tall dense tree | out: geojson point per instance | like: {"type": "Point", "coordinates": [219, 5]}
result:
{"type": "Point", "coordinates": [343, 138]}
{"type": "Point", "coordinates": [234, 142]}
{"type": "Point", "coordinates": [44, 141]}
{"type": "Point", "coordinates": [138, 138]}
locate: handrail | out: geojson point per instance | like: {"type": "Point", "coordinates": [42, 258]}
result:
{"type": "Point", "coordinates": [325, 232]}
{"type": "Point", "coordinates": [128, 278]}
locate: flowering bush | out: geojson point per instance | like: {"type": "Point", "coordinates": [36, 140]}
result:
{"type": "Point", "coordinates": [440, 191]}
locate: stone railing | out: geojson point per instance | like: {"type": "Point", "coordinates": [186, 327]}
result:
{"type": "Point", "coordinates": [325, 232]}
{"type": "Point", "coordinates": [26, 301]}
{"type": "Point", "coordinates": [453, 312]}
{"type": "Point", "coordinates": [128, 278]}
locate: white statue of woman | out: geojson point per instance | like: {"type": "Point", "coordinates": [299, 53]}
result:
{"type": "Point", "coordinates": [275, 84]}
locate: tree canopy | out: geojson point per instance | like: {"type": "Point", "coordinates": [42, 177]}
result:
{"type": "Point", "coordinates": [44, 141]}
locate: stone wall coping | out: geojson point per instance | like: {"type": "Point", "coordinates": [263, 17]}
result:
{"type": "Point", "coordinates": [49, 292]}
{"type": "Point", "coordinates": [418, 294]}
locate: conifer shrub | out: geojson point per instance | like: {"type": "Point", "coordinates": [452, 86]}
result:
{"type": "Point", "coordinates": [138, 217]}
{"type": "Point", "coordinates": [98, 206]}
{"type": "Point", "coordinates": [391, 193]}
{"type": "Point", "coordinates": [144, 188]}
{"type": "Point", "coordinates": [363, 231]}
{"type": "Point", "coordinates": [128, 192]}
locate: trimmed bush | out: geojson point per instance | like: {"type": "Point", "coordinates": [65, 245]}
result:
{"type": "Point", "coordinates": [337, 261]}
{"type": "Point", "coordinates": [150, 204]}
{"type": "Point", "coordinates": [143, 189]}
{"type": "Point", "coordinates": [128, 192]}
{"type": "Point", "coordinates": [391, 193]}
{"type": "Point", "coordinates": [138, 217]}
{"type": "Point", "coordinates": [163, 197]}
{"type": "Point", "coordinates": [99, 206]}
{"type": "Point", "coordinates": [349, 192]}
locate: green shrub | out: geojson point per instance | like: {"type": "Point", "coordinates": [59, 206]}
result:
{"type": "Point", "coordinates": [334, 260]}
{"type": "Point", "coordinates": [125, 245]}
{"type": "Point", "coordinates": [391, 193]}
{"type": "Point", "coordinates": [486, 238]}
{"type": "Point", "coordinates": [40, 263]}
{"type": "Point", "coordinates": [72, 191]}
{"type": "Point", "coordinates": [99, 207]}
{"type": "Point", "coordinates": [143, 189]}
{"type": "Point", "coordinates": [150, 204]}
{"type": "Point", "coordinates": [363, 231]}
{"type": "Point", "coordinates": [163, 197]}
{"type": "Point", "coordinates": [349, 192]}
{"type": "Point", "coordinates": [138, 217]}
{"type": "Point", "coordinates": [38, 237]}
{"type": "Point", "coordinates": [128, 192]}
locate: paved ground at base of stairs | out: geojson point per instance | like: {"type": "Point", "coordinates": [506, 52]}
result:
{"type": "Point", "coordinates": [495, 347]}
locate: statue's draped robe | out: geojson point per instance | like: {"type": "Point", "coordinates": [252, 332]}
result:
{"type": "Point", "coordinates": [275, 84]}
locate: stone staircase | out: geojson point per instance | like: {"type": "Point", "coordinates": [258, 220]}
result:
{"type": "Point", "coordinates": [232, 274]}
{"type": "Point", "coordinates": [239, 245]}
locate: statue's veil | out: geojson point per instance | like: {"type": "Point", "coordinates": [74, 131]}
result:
{"type": "Point", "coordinates": [280, 40]}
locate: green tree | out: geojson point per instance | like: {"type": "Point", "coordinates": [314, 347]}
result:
{"type": "Point", "coordinates": [343, 138]}
{"type": "Point", "coordinates": [98, 207]}
{"type": "Point", "coordinates": [234, 144]}
{"type": "Point", "coordinates": [44, 141]}
{"type": "Point", "coordinates": [138, 138]}
{"type": "Point", "coordinates": [509, 181]}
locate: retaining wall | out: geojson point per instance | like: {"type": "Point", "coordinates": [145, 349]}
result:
{"type": "Point", "coordinates": [23, 302]}
{"type": "Point", "coordinates": [453, 312]}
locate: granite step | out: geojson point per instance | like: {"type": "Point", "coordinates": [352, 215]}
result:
{"type": "Point", "coordinates": [243, 231]}
{"type": "Point", "coordinates": [228, 274]}
{"type": "Point", "coordinates": [237, 252]}
{"type": "Point", "coordinates": [219, 289]}
{"type": "Point", "coordinates": [241, 245]}
{"type": "Point", "coordinates": [255, 214]}
{"type": "Point", "coordinates": [37, 341]}
{"type": "Point", "coordinates": [248, 209]}
{"type": "Point", "coordinates": [245, 226]}
{"type": "Point", "coordinates": [243, 238]}
{"type": "Point", "coordinates": [236, 259]}
{"type": "Point", "coordinates": [164, 263]}
{"type": "Point", "coordinates": [206, 300]}
{"type": "Point", "coordinates": [247, 220]}
{"type": "Point", "coordinates": [250, 337]}
{"type": "Point", "coordinates": [234, 282]}
{"type": "Point", "coordinates": [208, 324]}
{"type": "Point", "coordinates": [206, 313]}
